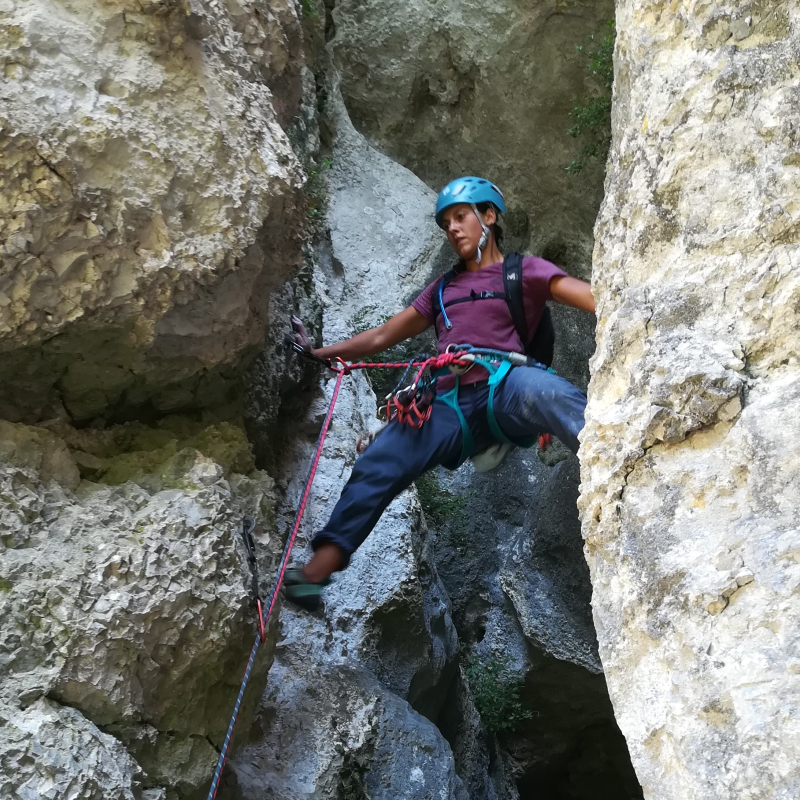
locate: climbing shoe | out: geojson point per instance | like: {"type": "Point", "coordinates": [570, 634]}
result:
{"type": "Point", "coordinates": [300, 592]}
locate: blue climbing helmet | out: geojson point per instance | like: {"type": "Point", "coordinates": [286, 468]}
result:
{"type": "Point", "coordinates": [470, 190]}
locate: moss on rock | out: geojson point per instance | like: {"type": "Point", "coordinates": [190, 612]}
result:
{"type": "Point", "coordinates": [159, 456]}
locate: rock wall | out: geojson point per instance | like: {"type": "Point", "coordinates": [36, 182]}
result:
{"type": "Point", "coordinates": [152, 213]}
{"type": "Point", "coordinates": [511, 560]}
{"type": "Point", "coordinates": [123, 600]}
{"type": "Point", "coordinates": [168, 202]}
{"type": "Point", "coordinates": [689, 458]}
{"type": "Point", "coordinates": [150, 201]}
{"type": "Point", "coordinates": [449, 88]}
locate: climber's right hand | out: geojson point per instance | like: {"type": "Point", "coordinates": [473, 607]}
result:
{"type": "Point", "coordinates": [300, 342]}
{"type": "Point", "coordinates": [299, 336]}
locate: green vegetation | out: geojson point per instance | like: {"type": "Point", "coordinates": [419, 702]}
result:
{"type": "Point", "coordinates": [444, 509]}
{"type": "Point", "coordinates": [592, 116]}
{"type": "Point", "coordinates": [496, 692]}
{"type": "Point", "coordinates": [309, 8]}
{"type": "Point", "coordinates": [441, 506]}
{"type": "Point", "coordinates": [317, 190]}
{"type": "Point", "coordinates": [360, 321]}
{"type": "Point", "coordinates": [355, 766]}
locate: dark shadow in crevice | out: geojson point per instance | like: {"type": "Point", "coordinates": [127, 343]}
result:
{"type": "Point", "coordinates": [596, 767]}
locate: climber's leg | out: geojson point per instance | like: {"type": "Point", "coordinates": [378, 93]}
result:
{"type": "Point", "coordinates": [531, 401]}
{"type": "Point", "coordinates": [327, 559]}
{"type": "Point", "coordinates": [390, 464]}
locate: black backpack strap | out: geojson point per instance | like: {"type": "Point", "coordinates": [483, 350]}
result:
{"type": "Point", "coordinates": [473, 296]}
{"type": "Point", "coordinates": [438, 294]}
{"type": "Point", "coordinates": [543, 344]}
{"type": "Point", "coordinates": [512, 283]}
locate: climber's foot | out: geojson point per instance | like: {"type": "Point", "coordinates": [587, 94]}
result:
{"type": "Point", "coordinates": [300, 591]}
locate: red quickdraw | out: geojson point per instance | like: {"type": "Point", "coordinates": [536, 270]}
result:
{"type": "Point", "coordinates": [262, 634]}
{"type": "Point", "coordinates": [413, 405]}
{"type": "Point", "coordinates": [407, 413]}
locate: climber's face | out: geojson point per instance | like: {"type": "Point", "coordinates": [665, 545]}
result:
{"type": "Point", "coordinates": [464, 229]}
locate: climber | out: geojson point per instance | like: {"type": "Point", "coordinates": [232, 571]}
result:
{"type": "Point", "coordinates": [527, 402]}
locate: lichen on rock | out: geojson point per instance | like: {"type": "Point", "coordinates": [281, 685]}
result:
{"type": "Point", "coordinates": [47, 750]}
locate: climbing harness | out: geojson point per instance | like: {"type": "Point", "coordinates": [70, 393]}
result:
{"type": "Point", "coordinates": [411, 405]}
{"type": "Point", "coordinates": [498, 364]}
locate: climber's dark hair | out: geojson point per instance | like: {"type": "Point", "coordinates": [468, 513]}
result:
{"type": "Point", "coordinates": [495, 228]}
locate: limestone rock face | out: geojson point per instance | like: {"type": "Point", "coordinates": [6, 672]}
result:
{"type": "Point", "coordinates": [375, 745]}
{"type": "Point", "coordinates": [50, 751]}
{"type": "Point", "coordinates": [125, 598]}
{"type": "Point", "coordinates": [545, 578]}
{"type": "Point", "coordinates": [690, 474]}
{"type": "Point", "coordinates": [514, 569]}
{"type": "Point", "coordinates": [381, 225]}
{"type": "Point", "coordinates": [484, 88]}
{"type": "Point", "coordinates": [150, 198]}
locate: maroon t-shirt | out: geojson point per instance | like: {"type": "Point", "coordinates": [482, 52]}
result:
{"type": "Point", "coordinates": [488, 323]}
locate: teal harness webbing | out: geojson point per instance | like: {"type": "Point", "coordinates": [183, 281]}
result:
{"type": "Point", "coordinates": [497, 373]}
{"type": "Point", "coordinates": [467, 442]}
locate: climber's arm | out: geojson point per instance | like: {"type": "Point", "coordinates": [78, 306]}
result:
{"type": "Point", "coordinates": [572, 292]}
{"type": "Point", "coordinates": [404, 325]}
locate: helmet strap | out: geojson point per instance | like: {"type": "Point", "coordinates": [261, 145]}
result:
{"type": "Point", "coordinates": [484, 236]}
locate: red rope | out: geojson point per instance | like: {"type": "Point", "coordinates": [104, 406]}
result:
{"type": "Point", "coordinates": [262, 622]}
{"type": "Point", "coordinates": [307, 491]}
{"type": "Point", "coordinates": [343, 368]}
{"type": "Point", "coordinates": [435, 362]}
